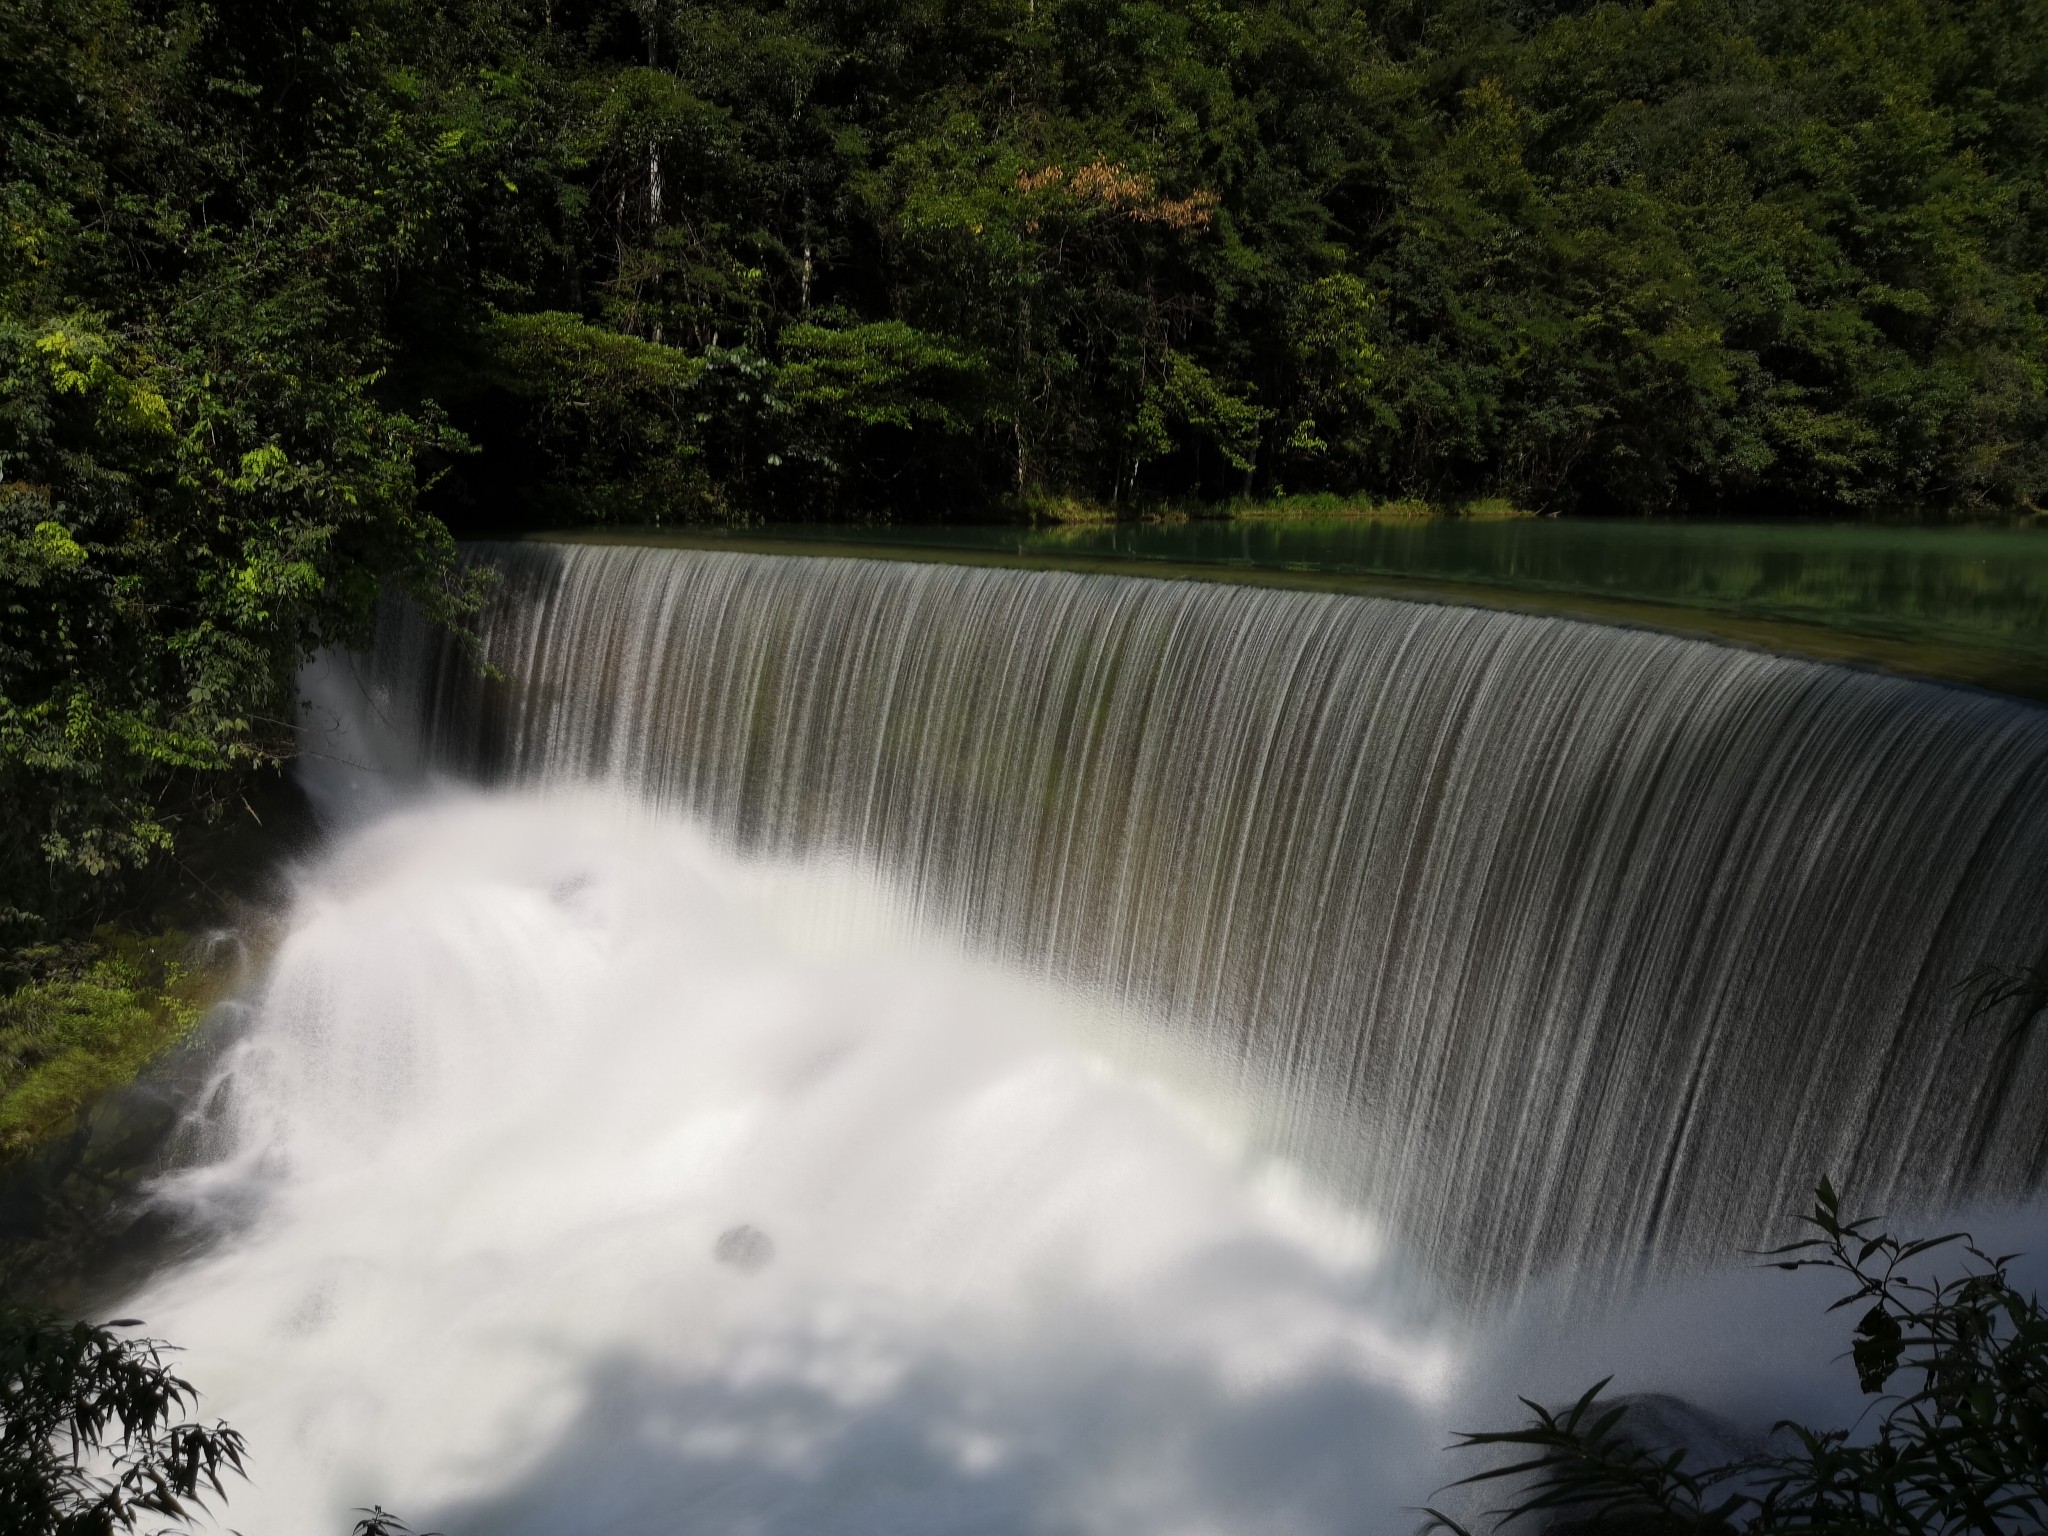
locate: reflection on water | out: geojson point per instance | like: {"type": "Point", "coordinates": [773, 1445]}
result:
{"type": "Point", "coordinates": [1969, 586]}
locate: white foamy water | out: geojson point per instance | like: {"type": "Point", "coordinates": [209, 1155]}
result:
{"type": "Point", "coordinates": [1561, 949]}
{"type": "Point", "coordinates": [519, 1066]}
{"type": "Point", "coordinates": [1573, 956]}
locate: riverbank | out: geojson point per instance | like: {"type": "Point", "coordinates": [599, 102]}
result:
{"type": "Point", "coordinates": [107, 1037]}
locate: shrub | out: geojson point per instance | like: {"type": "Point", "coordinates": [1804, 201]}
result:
{"type": "Point", "coordinates": [1960, 1446]}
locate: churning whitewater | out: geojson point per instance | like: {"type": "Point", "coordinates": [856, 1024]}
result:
{"type": "Point", "coordinates": [560, 1183]}
{"type": "Point", "coordinates": [768, 1109]}
{"type": "Point", "coordinates": [1564, 950]}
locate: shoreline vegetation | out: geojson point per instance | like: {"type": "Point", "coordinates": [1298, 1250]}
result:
{"type": "Point", "coordinates": [1316, 506]}
{"type": "Point", "coordinates": [1950, 1355]}
{"type": "Point", "coordinates": [89, 1023]}
{"type": "Point", "coordinates": [100, 1051]}
{"type": "Point", "coordinates": [107, 1036]}
{"type": "Point", "coordinates": [1333, 506]}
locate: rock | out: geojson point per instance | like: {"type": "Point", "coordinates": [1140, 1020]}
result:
{"type": "Point", "coordinates": [743, 1247]}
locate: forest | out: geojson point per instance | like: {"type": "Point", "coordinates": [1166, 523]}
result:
{"type": "Point", "coordinates": [296, 293]}
{"type": "Point", "coordinates": [562, 259]}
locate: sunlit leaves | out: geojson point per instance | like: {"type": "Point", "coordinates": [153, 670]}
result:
{"type": "Point", "coordinates": [201, 475]}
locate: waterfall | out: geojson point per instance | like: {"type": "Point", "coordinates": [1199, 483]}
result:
{"type": "Point", "coordinates": [1555, 947]}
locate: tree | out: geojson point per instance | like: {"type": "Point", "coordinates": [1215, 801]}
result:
{"type": "Point", "coordinates": [93, 1436]}
{"type": "Point", "coordinates": [203, 473]}
{"type": "Point", "coordinates": [94, 1439]}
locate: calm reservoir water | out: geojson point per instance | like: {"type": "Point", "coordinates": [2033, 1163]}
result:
{"type": "Point", "coordinates": [1970, 604]}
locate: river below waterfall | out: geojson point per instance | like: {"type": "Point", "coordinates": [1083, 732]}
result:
{"type": "Point", "coordinates": [568, 1173]}
{"type": "Point", "coordinates": [521, 1070]}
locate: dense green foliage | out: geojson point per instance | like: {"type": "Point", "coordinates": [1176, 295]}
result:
{"type": "Point", "coordinates": [92, 1434]}
{"type": "Point", "coordinates": [291, 288]}
{"type": "Point", "coordinates": [1708, 255]}
{"type": "Point", "coordinates": [1704, 255]}
{"type": "Point", "coordinates": [94, 1439]}
{"type": "Point", "coordinates": [201, 471]}
{"type": "Point", "coordinates": [1963, 1447]}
